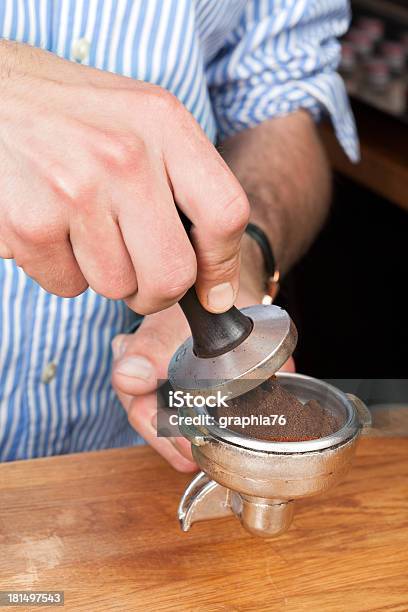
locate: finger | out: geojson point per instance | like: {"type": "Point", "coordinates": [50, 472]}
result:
{"type": "Point", "coordinates": [51, 263]}
{"type": "Point", "coordinates": [101, 254]}
{"type": "Point", "coordinates": [142, 415]}
{"type": "Point", "coordinates": [288, 366]}
{"type": "Point", "coordinates": [181, 444]}
{"type": "Point", "coordinates": [209, 194]}
{"type": "Point", "coordinates": [142, 358]}
{"type": "Point", "coordinates": [160, 250]}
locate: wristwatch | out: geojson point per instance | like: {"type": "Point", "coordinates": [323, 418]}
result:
{"type": "Point", "coordinates": [272, 274]}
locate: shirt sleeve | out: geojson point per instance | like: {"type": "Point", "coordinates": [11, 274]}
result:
{"type": "Point", "coordinates": [281, 57]}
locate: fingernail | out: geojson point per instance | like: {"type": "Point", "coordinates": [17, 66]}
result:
{"type": "Point", "coordinates": [135, 367]}
{"type": "Point", "coordinates": [118, 346]}
{"type": "Point", "coordinates": [221, 297]}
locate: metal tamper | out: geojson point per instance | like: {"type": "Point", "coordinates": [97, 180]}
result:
{"type": "Point", "coordinates": [231, 352]}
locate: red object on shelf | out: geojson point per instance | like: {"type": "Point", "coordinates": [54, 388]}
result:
{"type": "Point", "coordinates": [378, 72]}
{"type": "Point", "coordinates": [394, 53]}
{"type": "Point", "coordinates": [373, 26]}
{"type": "Point", "coordinates": [362, 42]}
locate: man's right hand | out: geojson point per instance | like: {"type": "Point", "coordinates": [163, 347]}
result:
{"type": "Point", "coordinates": [92, 165]}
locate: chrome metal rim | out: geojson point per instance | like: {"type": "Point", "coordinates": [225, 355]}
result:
{"type": "Point", "coordinates": [221, 435]}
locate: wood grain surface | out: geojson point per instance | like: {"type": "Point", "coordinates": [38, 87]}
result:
{"type": "Point", "coordinates": [384, 154]}
{"type": "Point", "coordinates": [102, 527]}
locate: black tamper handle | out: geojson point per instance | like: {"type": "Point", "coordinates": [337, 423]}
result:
{"type": "Point", "coordinates": [213, 334]}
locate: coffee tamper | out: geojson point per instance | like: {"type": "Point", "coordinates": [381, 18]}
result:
{"type": "Point", "coordinates": [232, 352]}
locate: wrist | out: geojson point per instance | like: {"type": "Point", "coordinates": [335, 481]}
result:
{"type": "Point", "coordinates": [252, 275]}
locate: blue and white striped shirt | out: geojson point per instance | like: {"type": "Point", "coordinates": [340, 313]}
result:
{"type": "Point", "coordinates": [233, 64]}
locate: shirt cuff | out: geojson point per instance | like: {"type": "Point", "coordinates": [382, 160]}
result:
{"type": "Point", "coordinates": [320, 94]}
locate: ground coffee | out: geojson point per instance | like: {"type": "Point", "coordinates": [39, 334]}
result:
{"type": "Point", "coordinates": [302, 421]}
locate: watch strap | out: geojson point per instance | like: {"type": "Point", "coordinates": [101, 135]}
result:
{"type": "Point", "coordinates": [272, 274]}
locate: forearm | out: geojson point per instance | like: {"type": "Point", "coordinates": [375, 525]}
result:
{"type": "Point", "coordinates": [283, 169]}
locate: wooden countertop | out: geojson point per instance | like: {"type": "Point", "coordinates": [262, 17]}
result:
{"type": "Point", "coordinates": [384, 154]}
{"type": "Point", "coordinates": [103, 528]}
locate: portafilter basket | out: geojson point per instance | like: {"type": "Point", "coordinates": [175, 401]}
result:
{"type": "Point", "coordinates": [258, 481]}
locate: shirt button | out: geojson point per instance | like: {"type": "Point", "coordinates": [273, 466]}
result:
{"type": "Point", "coordinates": [80, 49]}
{"type": "Point", "coordinates": [49, 373]}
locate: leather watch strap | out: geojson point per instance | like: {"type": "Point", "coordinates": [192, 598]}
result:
{"type": "Point", "coordinates": [272, 274]}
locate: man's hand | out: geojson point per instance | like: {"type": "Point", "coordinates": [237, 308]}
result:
{"type": "Point", "coordinates": [142, 358]}
{"type": "Point", "coordinates": [92, 165]}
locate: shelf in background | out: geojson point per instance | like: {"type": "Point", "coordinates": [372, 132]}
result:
{"type": "Point", "coordinates": [384, 154]}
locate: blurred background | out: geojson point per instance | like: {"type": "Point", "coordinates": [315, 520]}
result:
{"type": "Point", "coordinates": [348, 296]}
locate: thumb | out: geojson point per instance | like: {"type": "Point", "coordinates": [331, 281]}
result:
{"type": "Point", "coordinates": [142, 358]}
